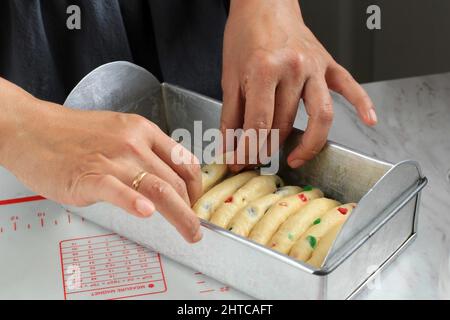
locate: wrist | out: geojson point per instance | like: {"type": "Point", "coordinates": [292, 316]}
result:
{"type": "Point", "coordinates": [239, 6]}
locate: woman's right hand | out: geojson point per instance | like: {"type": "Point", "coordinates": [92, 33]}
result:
{"type": "Point", "coordinates": [83, 157]}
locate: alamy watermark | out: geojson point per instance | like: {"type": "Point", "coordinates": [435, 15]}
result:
{"type": "Point", "coordinates": [73, 281]}
{"type": "Point", "coordinates": [249, 147]}
{"type": "Point", "coordinates": [374, 20]}
{"type": "Point", "coordinates": [73, 21]}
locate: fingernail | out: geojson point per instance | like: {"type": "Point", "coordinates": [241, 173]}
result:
{"type": "Point", "coordinates": [373, 116]}
{"type": "Point", "coordinates": [198, 236]}
{"type": "Point", "coordinates": [145, 207]}
{"type": "Point", "coordinates": [296, 163]}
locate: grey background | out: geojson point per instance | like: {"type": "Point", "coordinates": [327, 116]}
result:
{"type": "Point", "coordinates": [414, 39]}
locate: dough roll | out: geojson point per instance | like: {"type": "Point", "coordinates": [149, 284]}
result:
{"type": "Point", "coordinates": [279, 212]}
{"type": "Point", "coordinates": [308, 242]}
{"type": "Point", "coordinates": [322, 249]}
{"type": "Point", "coordinates": [247, 217]}
{"type": "Point", "coordinates": [212, 174]}
{"type": "Point", "coordinates": [252, 190]}
{"type": "Point", "coordinates": [211, 200]}
{"type": "Point", "coordinates": [291, 230]}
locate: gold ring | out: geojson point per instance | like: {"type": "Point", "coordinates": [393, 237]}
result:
{"type": "Point", "coordinates": [137, 181]}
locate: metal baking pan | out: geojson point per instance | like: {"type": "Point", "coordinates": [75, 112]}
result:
{"type": "Point", "coordinates": [382, 225]}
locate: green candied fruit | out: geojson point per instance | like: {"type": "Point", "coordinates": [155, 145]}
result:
{"type": "Point", "coordinates": [308, 188]}
{"type": "Point", "coordinates": [290, 236]}
{"type": "Point", "coordinates": [312, 241]}
{"type": "Point", "coordinates": [317, 221]}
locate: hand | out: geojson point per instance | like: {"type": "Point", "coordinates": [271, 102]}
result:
{"type": "Point", "coordinates": [271, 61]}
{"type": "Point", "coordinates": [83, 157]}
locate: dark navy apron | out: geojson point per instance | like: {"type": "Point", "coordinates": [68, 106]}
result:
{"type": "Point", "coordinates": [178, 41]}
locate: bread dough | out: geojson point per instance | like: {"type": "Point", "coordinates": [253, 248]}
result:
{"type": "Point", "coordinates": [322, 249]}
{"type": "Point", "coordinates": [247, 217]}
{"type": "Point", "coordinates": [305, 245]}
{"type": "Point", "coordinates": [279, 212]}
{"type": "Point", "coordinates": [289, 219]}
{"type": "Point", "coordinates": [212, 199]}
{"type": "Point", "coordinates": [212, 174]}
{"type": "Point", "coordinates": [291, 230]}
{"type": "Point", "coordinates": [252, 190]}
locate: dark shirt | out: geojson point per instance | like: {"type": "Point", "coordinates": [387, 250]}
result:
{"type": "Point", "coordinates": [178, 41]}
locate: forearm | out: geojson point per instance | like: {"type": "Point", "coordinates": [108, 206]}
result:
{"type": "Point", "coordinates": [18, 109]}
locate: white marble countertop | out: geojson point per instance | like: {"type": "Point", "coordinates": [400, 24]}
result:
{"type": "Point", "coordinates": [414, 123]}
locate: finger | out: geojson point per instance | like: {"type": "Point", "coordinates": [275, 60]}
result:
{"type": "Point", "coordinates": [153, 164]}
{"type": "Point", "coordinates": [172, 207]}
{"type": "Point", "coordinates": [181, 161]}
{"type": "Point", "coordinates": [319, 107]}
{"type": "Point", "coordinates": [107, 188]}
{"type": "Point", "coordinates": [287, 101]}
{"type": "Point", "coordinates": [127, 171]}
{"type": "Point", "coordinates": [232, 116]}
{"type": "Point", "coordinates": [259, 113]}
{"type": "Point", "coordinates": [342, 82]}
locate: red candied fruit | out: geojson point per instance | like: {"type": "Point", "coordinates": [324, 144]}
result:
{"type": "Point", "coordinates": [229, 200]}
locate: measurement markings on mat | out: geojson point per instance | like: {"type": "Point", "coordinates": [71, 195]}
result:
{"type": "Point", "coordinates": [109, 267]}
{"type": "Point", "coordinates": [205, 286]}
{"type": "Point", "coordinates": [19, 214]}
